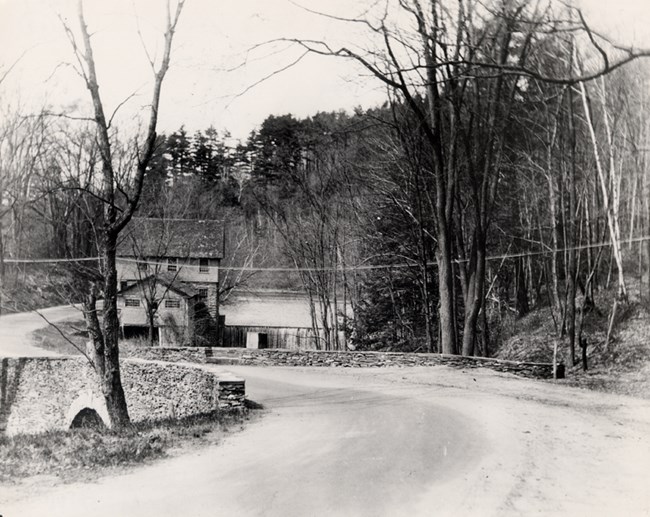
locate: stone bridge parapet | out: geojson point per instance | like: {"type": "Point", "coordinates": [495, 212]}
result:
{"type": "Point", "coordinates": [46, 393]}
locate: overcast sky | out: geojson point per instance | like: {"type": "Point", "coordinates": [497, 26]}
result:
{"type": "Point", "coordinates": [212, 38]}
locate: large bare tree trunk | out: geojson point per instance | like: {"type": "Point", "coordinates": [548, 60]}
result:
{"type": "Point", "coordinates": [555, 240]}
{"type": "Point", "coordinates": [572, 236]}
{"type": "Point", "coordinates": [474, 300]}
{"type": "Point", "coordinates": [445, 290]}
{"type": "Point", "coordinates": [106, 347]}
{"type": "Point", "coordinates": [111, 377]}
{"type": "Point", "coordinates": [521, 291]}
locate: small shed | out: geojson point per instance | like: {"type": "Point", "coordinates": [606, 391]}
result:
{"type": "Point", "coordinates": [271, 319]}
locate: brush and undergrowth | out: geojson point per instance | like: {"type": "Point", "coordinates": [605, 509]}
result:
{"type": "Point", "coordinates": [38, 287]}
{"type": "Point", "coordinates": [83, 451]}
{"type": "Point", "coordinates": [617, 344]}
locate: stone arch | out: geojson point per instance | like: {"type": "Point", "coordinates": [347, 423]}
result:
{"type": "Point", "coordinates": [84, 406]}
{"type": "Point", "coordinates": [87, 418]}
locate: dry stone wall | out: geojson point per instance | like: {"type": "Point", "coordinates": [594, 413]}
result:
{"type": "Point", "coordinates": [171, 354]}
{"type": "Point", "coordinates": [40, 394]}
{"type": "Point", "coordinates": [278, 357]}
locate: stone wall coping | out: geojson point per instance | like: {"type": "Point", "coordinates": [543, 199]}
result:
{"type": "Point", "coordinates": [333, 358]}
{"type": "Point", "coordinates": [262, 351]}
{"type": "Point", "coordinates": [225, 375]}
{"type": "Point", "coordinates": [228, 377]}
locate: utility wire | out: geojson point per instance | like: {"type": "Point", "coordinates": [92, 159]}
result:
{"type": "Point", "coordinates": [359, 267]}
{"type": "Point", "coordinates": [50, 260]}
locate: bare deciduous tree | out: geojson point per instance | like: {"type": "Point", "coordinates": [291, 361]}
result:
{"type": "Point", "coordinates": [119, 204]}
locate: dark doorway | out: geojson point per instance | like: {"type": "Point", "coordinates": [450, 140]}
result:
{"type": "Point", "coordinates": [133, 332]}
{"type": "Point", "coordinates": [263, 340]}
{"type": "Point", "coordinates": [87, 419]}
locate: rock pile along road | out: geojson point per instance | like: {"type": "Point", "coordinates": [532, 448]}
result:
{"type": "Point", "coordinates": [388, 441]}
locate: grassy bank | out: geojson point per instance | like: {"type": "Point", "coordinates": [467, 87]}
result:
{"type": "Point", "coordinates": [66, 337]}
{"type": "Point", "coordinates": [68, 454]}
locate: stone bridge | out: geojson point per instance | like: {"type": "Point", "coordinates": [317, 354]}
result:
{"type": "Point", "coordinates": [39, 394]}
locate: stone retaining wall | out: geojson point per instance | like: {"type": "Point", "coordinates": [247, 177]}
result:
{"type": "Point", "coordinates": [40, 394]}
{"type": "Point", "coordinates": [171, 354]}
{"type": "Point", "coordinates": [277, 357]}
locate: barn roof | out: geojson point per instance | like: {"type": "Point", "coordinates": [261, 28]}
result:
{"type": "Point", "coordinates": [181, 238]}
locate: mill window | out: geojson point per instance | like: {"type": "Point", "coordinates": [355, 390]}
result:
{"type": "Point", "coordinates": [204, 266]}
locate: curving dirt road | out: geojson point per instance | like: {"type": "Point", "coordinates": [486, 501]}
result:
{"type": "Point", "coordinates": [411, 441]}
